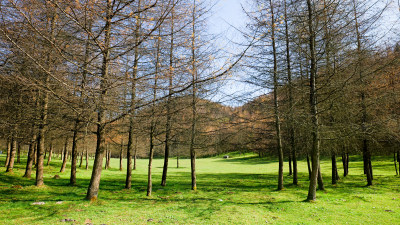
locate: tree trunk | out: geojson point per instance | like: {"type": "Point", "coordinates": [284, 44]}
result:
{"type": "Point", "coordinates": [309, 167]}
{"type": "Point", "coordinates": [398, 159]}
{"type": "Point", "coordinates": [347, 163]}
{"type": "Point", "coordinates": [344, 162]}
{"type": "Point", "coordinates": [194, 96]}
{"type": "Point", "coordinates": [168, 104]}
{"type": "Point", "coordinates": [74, 154]}
{"type": "Point", "coordinates": [10, 165]}
{"type": "Point", "coordinates": [292, 150]}
{"type": "Point", "coordinates": [81, 159]}
{"type": "Point", "coordinates": [8, 153]}
{"type": "Point", "coordinates": [87, 159]}
{"type": "Point", "coordinates": [35, 153]}
{"type": "Point", "coordinates": [50, 153]}
{"type": "Point", "coordinates": [106, 155]}
{"type": "Point", "coordinates": [290, 165]}
{"type": "Point", "coordinates": [334, 168]}
{"type": "Point", "coordinates": [321, 186]}
{"type": "Point", "coordinates": [120, 155]}
{"type": "Point", "coordinates": [315, 172]}
{"type": "Point", "coordinates": [135, 153]}
{"type": "Point", "coordinates": [93, 188]}
{"type": "Point", "coordinates": [109, 157]}
{"type": "Point", "coordinates": [65, 154]}
{"type": "Point", "coordinates": [18, 152]}
{"type": "Point", "coordinates": [149, 181]}
{"type": "Point", "coordinates": [276, 103]}
{"type": "Point", "coordinates": [31, 156]}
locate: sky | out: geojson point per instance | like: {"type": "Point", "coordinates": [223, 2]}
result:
{"type": "Point", "coordinates": [227, 20]}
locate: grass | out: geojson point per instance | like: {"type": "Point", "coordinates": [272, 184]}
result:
{"type": "Point", "coordinates": [239, 190]}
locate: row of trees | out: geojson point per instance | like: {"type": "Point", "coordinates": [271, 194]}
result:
{"type": "Point", "coordinates": [88, 68]}
{"type": "Point", "coordinates": [129, 77]}
{"type": "Point", "coordinates": [333, 49]}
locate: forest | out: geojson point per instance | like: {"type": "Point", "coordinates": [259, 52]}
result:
{"type": "Point", "coordinates": [131, 89]}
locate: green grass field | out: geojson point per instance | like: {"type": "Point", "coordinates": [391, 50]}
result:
{"type": "Point", "coordinates": [239, 190]}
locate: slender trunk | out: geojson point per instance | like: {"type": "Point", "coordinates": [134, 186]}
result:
{"type": "Point", "coordinates": [309, 167]}
{"type": "Point", "coordinates": [87, 159]}
{"type": "Point", "coordinates": [109, 158]}
{"type": "Point", "coordinates": [135, 153]}
{"type": "Point", "coordinates": [80, 159]}
{"type": "Point", "coordinates": [293, 152]}
{"type": "Point", "coordinates": [35, 153]}
{"type": "Point", "coordinates": [398, 159]}
{"type": "Point", "coordinates": [276, 103]}
{"type": "Point", "coordinates": [149, 181]}
{"type": "Point", "coordinates": [334, 168]}
{"type": "Point", "coordinates": [344, 162]}
{"type": "Point", "coordinates": [18, 152]}
{"type": "Point", "coordinates": [168, 104]}
{"type": "Point", "coordinates": [290, 165]}
{"type": "Point", "coordinates": [194, 109]}
{"type": "Point", "coordinates": [320, 180]}
{"type": "Point", "coordinates": [8, 153]}
{"type": "Point", "coordinates": [131, 136]}
{"type": "Point", "coordinates": [370, 168]}
{"type": "Point", "coordinates": [106, 156]}
{"type": "Point", "coordinates": [347, 163]}
{"type": "Point", "coordinates": [50, 153]}
{"type": "Point", "coordinates": [31, 156]}
{"type": "Point", "coordinates": [44, 101]}
{"type": "Point", "coordinates": [120, 155]}
{"type": "Point", "coordinates": [65, 155]}
{"type": "Point", "coordinates": [74, 154]}
{"type": "Point", "coordinates": [152, 122]}
{"type": "Point", "coordinates": [10, 166]}
{"type": "Point", "coordinates": [93, 188]}
{"type": "Point", "coordinates": [313, 108]}
{"type": "Point", "coordinates": [365, 149]}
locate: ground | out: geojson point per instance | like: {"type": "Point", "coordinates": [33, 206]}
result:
{"type": "Point", "coordinates": [238, 190]}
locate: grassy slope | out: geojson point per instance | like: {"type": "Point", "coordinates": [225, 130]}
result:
{"type": "Point", "coordinates": [239, 190]}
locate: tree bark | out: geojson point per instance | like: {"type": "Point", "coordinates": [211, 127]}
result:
{"type": "Point", "coordinates": [10, 165]}
{"type": "Point", "coordinates": [80, 159]}
{"type": "Point", "coordinates": [93, 188]}
{"type": "Point", "coordinates": [276, 103]}
{"type": "Point", "coordinates": [321, 186]}
{"type": "Point", "coordinates": [50, 153]}
{"type": "Point", "coordinates": [152, 121]}
{"type": "Point", "coordinates": [194, 109]}
{"type": "Point", "coordinates": [18, 152]}
{"type": "Point", "coordinates": [168, 104]}
{"type": "Point", "coordinates": [87, 159]}
{"type": "Point", "coordinates": [65, 155]}
{"type": "Point", "coordinates": [8, 153]}
{"type": "Point", "coordinates": [131, 136]}
{"type": "Point", "coordinates": [313, 108]}
{"type": "Point", "coordinates": [31, 156]}
{"type": "Point", "coordinates": [74, 154]}
{"type": "Point", "coordinates": [106, 155]}
{"type": "Point", "coordinates": [334, 168]}
{"type": "Point", "coordinates": [120, 155]}
{"type": "Point", "coordinates": [308, 167]}
{"type": "Point", "coordinates": [293, 152]}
